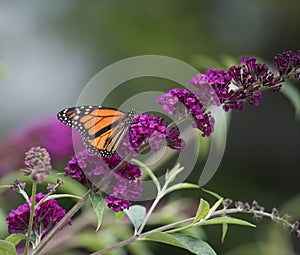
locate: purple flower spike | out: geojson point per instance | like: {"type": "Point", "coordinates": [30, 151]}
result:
{"type": "Point", "coordinates": [288, 64]}
{"type": "Point", "coordinates": [117, 204]}
{"type": "Point", "coordinates": [173, 140]}
{"type": "Point", "coordinates": [187, 102]}
{"type": "Point", "coordinates": [240, 84]}
{"type": "Point", "coordinates": [73, 169]}
{"type": "Point", "coordinates": [37, 161]}
{"type": "Point", "coordinates": [46, 216]}
{"type": "Point", "coordinates": [152, 130]}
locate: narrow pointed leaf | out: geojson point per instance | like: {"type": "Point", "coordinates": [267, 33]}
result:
{"type": "Point", "coordinates": [226, 219]}
{"type": "Point", "coordinates": [7, 248]}
{"type": "Point", "coordinates": [192, 244]}
{"type": "Point", "coordinates": [15, 238]}
{"type": "Point", "coordinates": [55, 196]}
{"type": "Point", "coordinates": [183, 185]}
{"type": "Point", "coordinates": [4, 186]}
{"type": "Point", "coordinates": [98, 205]}
{"type": "Point", "coordinates": [203, 210]}
{"type": "Point", "coordinates": [136, 214]}
{"type": "Point", "coordinates": [224, 231]}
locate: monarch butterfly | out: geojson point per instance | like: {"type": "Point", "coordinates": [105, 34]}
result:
{"type": "Point", "coordinates": [102, 128]}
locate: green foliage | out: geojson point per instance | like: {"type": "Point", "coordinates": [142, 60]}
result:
{"type": "Point", "coordinates": [136, 214]}
{"type": "Point", "coordinates": [98, 204]}
{"type": "Point", "coordinates": [192, 244]}
{"type": "Point", "coordinates": [203, 210]}
{"type": "Point", "coordinates": [4, 186]}
{"type": "Point", "coordinates": [180, 186]}
{"type": "Point", "coordinates": [15, 238]}
{"type": "Point", "coordinates": [7, 248]}
{"type": "Point", "coordinates": [3, 224]}
{"type": "Point", "coordinates": [227, 220]}
{"type": "Point", "coordinates": [119, 215]}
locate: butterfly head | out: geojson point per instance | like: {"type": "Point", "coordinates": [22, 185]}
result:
{"type": "Point", "coordinates": [130, 116]}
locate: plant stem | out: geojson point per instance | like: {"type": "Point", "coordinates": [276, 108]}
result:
{"type": "Point", "coordinates": [160, 194]}
{"type": "Point", "coordinates": [116, 246]}
{"type": "Point", "coordinates": [62, 222]}
{"type": "Point", "coordinates": [172, 225]}
{"type": "Point", "coordinates": [154, 204]}
{"type": "Point", "coordinates": [137, 237]}
{"type": "Point", "coordinates": [30, 224]}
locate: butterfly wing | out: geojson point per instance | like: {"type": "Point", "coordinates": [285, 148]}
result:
{"type": "Point", "coordinates": [102, 128]}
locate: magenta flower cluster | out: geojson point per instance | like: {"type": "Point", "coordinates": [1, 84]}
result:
{"type": "Point", "coordinates": [288, 64]}
{"type": "Point", "coordinates": [181, 101]}
{"type": "Point", "coordinates": [46, 216]}
{"type": "Point", "coordinates": [229, 89]}
{"type": "Point", "coordinates": [119, 187]}
{"type": "Point", "coordinates": [150, 130]}
{"type": "Point", "coordinates": [239, 84]}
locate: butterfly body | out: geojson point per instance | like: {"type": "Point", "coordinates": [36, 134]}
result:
{"type": "Point", "coordinates": [102, 128]}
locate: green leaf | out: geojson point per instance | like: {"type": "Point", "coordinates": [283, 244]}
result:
{"type": "Point", "coordinates": [192, 244]}
{"type": "Point", "coordinates": [224, 231]}
{"type": "Point", "coordinates": [55, 196]}
{"type": "Point", "coordinates": [227, 220]}
{"type": "Point", "coordinates": [183, 185]}
{"type": "Point", "coordinates": [98, 204]}
{"type": "Point", "coordinates": [136, 214]}
{"type": "Point", "coordinates": [4, 186]}
{"type": "Point", "coordinates": [292, 93]}
{"type": "Point", "coordinates": [3, 223]}
{"type": "Point", "coordinates": [119, 215]}
{"type": "Point", "coordinates": [7, 248]}
{"type": "Point", "coordinates": [202, 211]}
{"type": "Point", "coordinates": [15, 238]}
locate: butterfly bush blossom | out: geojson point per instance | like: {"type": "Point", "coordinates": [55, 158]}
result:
{"type": "Point", "coordinates": [149, 130]}
{"type": "Point", "coordinates": [46, 216]}
{"type": "Point", "coordinates": [178, 101]}
{"type": "Point", "coordinates": [229, 89]}
{"type": "Point", "coordinates": [120, 187]}
{"type": "Point", "coordinates": [288, 64]}
{"type": "Point", "coordinates": [239, 84]}
{"type": "Point", "coordinates": [37, 161]}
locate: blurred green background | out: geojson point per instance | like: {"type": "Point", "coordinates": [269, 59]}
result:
{"type": "Point", "coordinates": [49, 50]}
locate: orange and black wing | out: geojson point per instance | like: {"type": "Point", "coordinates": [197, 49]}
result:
{"type": "Point", "coordinates": [102, 128]}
